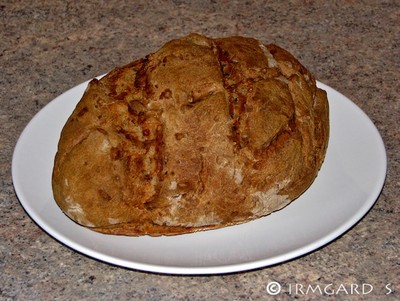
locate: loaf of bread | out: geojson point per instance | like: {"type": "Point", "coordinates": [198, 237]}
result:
{"type": "Point", "coordinates": [202, 134]}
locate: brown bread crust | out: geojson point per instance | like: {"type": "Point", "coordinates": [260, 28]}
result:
{"type": "Point", "coordinates": [202, 134]}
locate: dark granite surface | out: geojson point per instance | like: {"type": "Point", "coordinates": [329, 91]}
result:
{"type": "Point", "coordinates": [47, 47]}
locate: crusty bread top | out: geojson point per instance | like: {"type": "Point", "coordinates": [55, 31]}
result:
{"type": "Point", "coordinates": [201, 134]}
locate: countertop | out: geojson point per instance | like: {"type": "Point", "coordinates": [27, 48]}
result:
{"type": "Point", "coordinates": [48, 47]}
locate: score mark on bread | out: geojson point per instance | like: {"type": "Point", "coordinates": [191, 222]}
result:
{"type": "Point", "coordinates": [202, 134]}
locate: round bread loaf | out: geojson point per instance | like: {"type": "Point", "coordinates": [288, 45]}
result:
{"type": "Point", "coordinates": [202, 134]}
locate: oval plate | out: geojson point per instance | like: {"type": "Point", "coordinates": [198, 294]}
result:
{"type": "Point", "coordinates": [347, 186]}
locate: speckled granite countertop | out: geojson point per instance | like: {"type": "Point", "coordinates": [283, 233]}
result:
{"type": "Point", "coordinates": [47, 47]}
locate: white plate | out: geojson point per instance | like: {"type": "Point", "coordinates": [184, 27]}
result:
{"type": "Point", "coordinates": [348, 184]}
